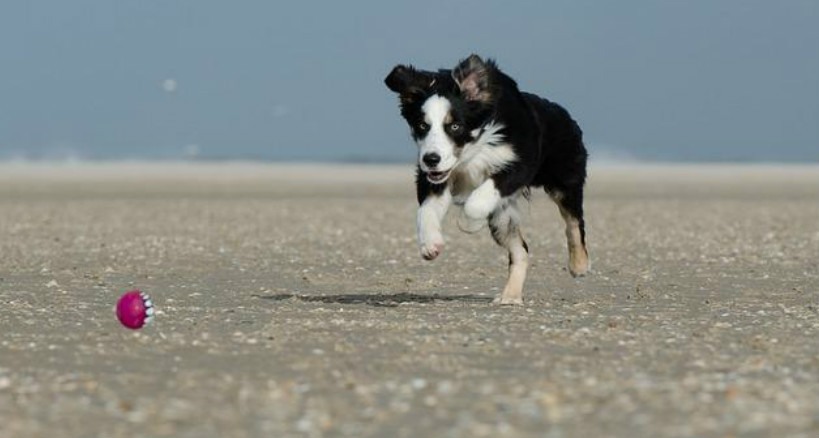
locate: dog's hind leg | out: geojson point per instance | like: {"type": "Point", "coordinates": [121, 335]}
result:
{"type": "Point", "coordinates": [504, 224]}
{"type": "Point", "coordinates": [570, 203]}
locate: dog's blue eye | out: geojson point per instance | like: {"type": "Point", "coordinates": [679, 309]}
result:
{"type": "Point", "coordinates": [454, 127]}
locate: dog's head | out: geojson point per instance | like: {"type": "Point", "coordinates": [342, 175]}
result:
{"type": "Point", "coordinates": [445, 110]}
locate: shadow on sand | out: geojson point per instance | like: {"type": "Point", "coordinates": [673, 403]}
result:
{"type": "Point", "coordinates": [378, 300]}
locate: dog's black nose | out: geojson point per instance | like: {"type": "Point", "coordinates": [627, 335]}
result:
{"type": "Point", "coordinates": [431, 159]}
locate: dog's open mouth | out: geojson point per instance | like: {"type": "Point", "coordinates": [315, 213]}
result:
{"type": "Point", "coordinates": [437, 177]}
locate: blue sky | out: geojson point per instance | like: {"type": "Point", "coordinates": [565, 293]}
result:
{"type": "Point", "coordinates": [697, 80]}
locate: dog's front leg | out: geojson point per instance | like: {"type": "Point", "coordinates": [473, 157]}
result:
{"type": "Point", "coordinates": [430, 215]}
{"type": "Point", "coordinates": [484, 200]}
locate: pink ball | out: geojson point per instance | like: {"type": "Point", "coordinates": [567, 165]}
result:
{"type": "Point", "coordinates": [135, 309]}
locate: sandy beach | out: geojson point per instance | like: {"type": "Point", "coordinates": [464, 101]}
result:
{"type": "Point", "coordinates": [292, 301]}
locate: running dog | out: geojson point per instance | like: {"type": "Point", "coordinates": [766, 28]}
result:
{"type": "Point", "coordinates": [482, 144]}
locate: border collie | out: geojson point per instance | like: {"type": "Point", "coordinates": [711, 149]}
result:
{"type": "Point", "coordinates": [482, 144]}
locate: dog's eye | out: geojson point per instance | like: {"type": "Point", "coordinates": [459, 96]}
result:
{"type": "Point", "coordinates": [422, 126]}
{"type": "Point", "coordinates": [454, 127]}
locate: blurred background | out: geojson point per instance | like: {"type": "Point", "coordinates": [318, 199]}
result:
{"type": "Point", "coordinates": [648, 80]}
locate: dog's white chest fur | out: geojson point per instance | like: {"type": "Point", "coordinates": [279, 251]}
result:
{"type": "Point", "coordinates": [488, 154]}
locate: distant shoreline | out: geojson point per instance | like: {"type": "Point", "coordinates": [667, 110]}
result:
{"type": "Point", "coordinates": [348, 171]}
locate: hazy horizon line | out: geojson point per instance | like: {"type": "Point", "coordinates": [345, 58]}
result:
{"type": "Point", "coordinates": [355, 160]}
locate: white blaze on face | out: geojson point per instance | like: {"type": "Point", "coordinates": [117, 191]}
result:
{"type": "Point", "coordinates": [436, 114]}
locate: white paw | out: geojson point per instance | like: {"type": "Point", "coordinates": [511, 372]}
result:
{"type": "Point", "coordinates": [508, 301]}
{"type": "Point", "coordinates": [478, 209]}
{"type": "Point", "coordinates": [432, 248]}
{"type": "Point", "coordinates": [469, 225]}
{"type": "Point", "coordinates": [482, 201]}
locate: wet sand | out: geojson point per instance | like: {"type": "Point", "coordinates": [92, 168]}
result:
{"type": "Point", "coordinates": [292, 301]}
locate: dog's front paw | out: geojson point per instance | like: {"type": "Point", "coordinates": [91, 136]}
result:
{"type": "Point", "coordinates": [482, 202]}
{"type": "Point", "coordinates": [477, 210]}
{"type": "Point", "coordinates": [431, 249]}
{"type": "Point", "coordinates": [469, 225]}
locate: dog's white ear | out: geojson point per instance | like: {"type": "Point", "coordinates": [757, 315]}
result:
{"type": "Point", "coordinates": [473, 76]}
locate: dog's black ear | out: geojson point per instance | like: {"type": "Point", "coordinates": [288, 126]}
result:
{"type": "Point", "coordinates": [473, 76]}
{"type": "Point", "coordinates": [406, 80]}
